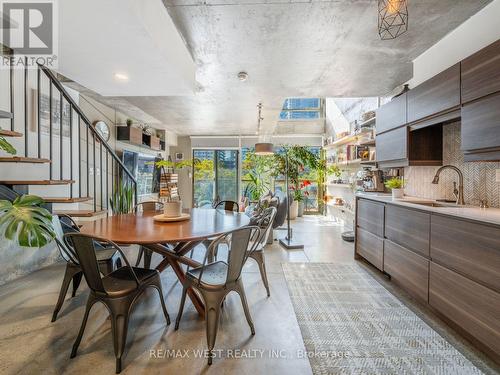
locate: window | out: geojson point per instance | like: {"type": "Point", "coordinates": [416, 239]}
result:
{"type": "Point", "coordinates": [301, 109]}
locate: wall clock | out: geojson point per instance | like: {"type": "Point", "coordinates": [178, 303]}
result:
{"type": "Point", "coordinates": [103, 129]}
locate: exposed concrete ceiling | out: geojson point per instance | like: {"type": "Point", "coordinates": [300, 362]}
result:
{"type": "Point", "coordinates": [290, 48]}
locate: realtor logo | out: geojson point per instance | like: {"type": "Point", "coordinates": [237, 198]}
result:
{"type": "Point", "coordinates": [28, 27]}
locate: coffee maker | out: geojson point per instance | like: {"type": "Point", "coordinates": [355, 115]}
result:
{"type": "Point", "coordinates": [373, 181]}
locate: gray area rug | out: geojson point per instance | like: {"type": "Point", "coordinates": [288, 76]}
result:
{"type": "Point", "coordinates": [351, 324]}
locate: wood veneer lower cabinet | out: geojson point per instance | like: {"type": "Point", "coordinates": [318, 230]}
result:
{"type": "Point", "coordinates": [471, 249]}
{"type": "Point", "coordinates": [370, 216]}
{"type": "Point", "coordinates": [408, 228]}
{"type": "Point", "coordinates": [472, 307]}
{"type": "Point", "coordinates": [409, 270]}
{"type": "Point", "coordinates": [370, 247]}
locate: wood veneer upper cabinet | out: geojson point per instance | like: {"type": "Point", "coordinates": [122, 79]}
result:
{"type": "Point", "coordinates": [408, 269]}
{"type": "Point", "coordinates": [393, 146]}
{"type": "Point", "coordinates": [370, 216]}
{"type": "Point", "coordinates": [471, 306]}
{"type": "Point", "coordinates": [481, 73]}
{"type": "Point", "coordinates": [468, 248]}
{"type": "Point", "coordinates": [408, 228]}
{"type": "Point", "coordinates": [481, 128]}
{"type": "Point", "coordinates": [438, 94]}
{"type": "Point", "coordinates": [391, 115]}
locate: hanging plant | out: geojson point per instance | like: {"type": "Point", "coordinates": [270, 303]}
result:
{"type": "Point", "coordinates": [26, 221]}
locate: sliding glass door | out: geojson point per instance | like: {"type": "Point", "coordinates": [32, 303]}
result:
{"type": "Point", "coordinates": [215, 176]}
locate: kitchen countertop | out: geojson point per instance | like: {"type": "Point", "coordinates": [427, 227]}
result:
{"type": "Point", "coordinates": [484, 215]}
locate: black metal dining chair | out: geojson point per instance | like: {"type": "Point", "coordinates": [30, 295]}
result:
{"type": "Point", "coordinates": [108, 259]}
{"type": "Point", "coordinates": [150, 206]}
{"type": "Point", "coordinates": [214, 281]}
{"type": "Point", "coordinates": [265, 222]}
{"type": "Point", "coordinates": [118, 291]}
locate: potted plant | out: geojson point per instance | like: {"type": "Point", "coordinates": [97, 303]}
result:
{"type": "Point", "coordinates": [122, 199]}
{"type": "Point", "coordinates": [396, 184]}
{"type": "Point", "coordinates": [129, 122]}
{"type": "Point", "coordinates": [25, 221]}
{"type": "Point", "coordinates": [6, 146]}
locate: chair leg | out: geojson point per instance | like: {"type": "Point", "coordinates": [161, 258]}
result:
{"type": "Point", "coordinates": [148, 254]}
{"type": "Point", "coordinates": [258, 256]}
{"type": "Point", "coordinates": [90, 303]}
{"type": "Point", "coordinates": [76, 282]}
{"type": "Point", "coordinates": [241, 291]}
{"type": "Point", "coordinates": [159, 288]}
{"type": "Point", "coordinates": [69, 273]}
{"type": "Point", "coordinates": [139, 256]}
{"type": "Point", "coordinates": [119, 327]}
{"type": "Point", "coordinates": [181, 307]}
{"type": "Point", "coordinates": [212, 315]}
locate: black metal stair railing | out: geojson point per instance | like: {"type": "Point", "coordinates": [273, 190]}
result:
{"type": "Point", "coordinates": [93, 140]}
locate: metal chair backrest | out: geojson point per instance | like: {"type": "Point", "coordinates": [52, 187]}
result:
{"type": "Point", "coordinates": [228, 206]}
{"type": "Point", "coordinates": [237, 241]}
{"type": "Point", "coordinates": [265, 223]}
{"type": "Point", "coordinates": [148, 206]}
{"type": "Point", "coordinates": [61, 228]}
{"type": "Point", "coordinates": [84, 248]}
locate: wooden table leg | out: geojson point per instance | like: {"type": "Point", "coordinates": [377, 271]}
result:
{"type": "Point", "coordinates": [172, 258]}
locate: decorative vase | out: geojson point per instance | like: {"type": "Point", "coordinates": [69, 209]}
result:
{"type": "Point", "coordinates": [294, 210]}
{"type": "Point", "coordinates": [172, 209]}
{"type": "Point", "coordinates": [301, 209]}
{"type": "Point", "coordinates": [398, 193]}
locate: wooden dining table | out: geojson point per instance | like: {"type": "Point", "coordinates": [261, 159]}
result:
{"type": "Point", "coordinates": [182, 236]}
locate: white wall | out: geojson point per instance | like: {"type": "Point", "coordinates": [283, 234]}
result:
{"type": "Point", "coordinates": [477, 32]}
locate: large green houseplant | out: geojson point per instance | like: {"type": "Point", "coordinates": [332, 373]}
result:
{"type": "Point", "coordinates": [122, 199]}
{"type": "Point", "coordinates": [26, 222]}
{"type": "Point", "coordinates": [6, 146]}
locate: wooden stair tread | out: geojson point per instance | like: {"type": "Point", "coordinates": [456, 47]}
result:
{"type": "Point", "coordinates": [37, 182]}
{"type": "Point", "coordinates": [22, 159]}
{"type": "Point", "coordinates": [66, 199]}
{"type": "Point", "coordinates": [79, 213]}
{"type": "Point", "coordinates": [10, 133]}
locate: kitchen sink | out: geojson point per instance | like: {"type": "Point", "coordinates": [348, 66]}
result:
{"type": "Point", "coordinates": [435, 204]}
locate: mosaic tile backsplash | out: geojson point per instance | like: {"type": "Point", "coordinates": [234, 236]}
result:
{"type": "Point", "coordinates": [479, 176]}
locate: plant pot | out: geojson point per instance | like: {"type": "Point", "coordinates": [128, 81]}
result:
{"type": "Point", "coordinates": [301, 209]}
{"type": "Point", "coordinates": [294, 210]}
{"type": "Point", "coordinates": [172, 209]}
{"type": "Point", "coordinates": [398, 193]}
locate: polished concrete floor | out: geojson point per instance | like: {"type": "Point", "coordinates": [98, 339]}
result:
{"type": "Point", "coordinates": [31, 344]}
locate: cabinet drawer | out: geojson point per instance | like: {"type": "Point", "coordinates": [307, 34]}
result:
{"type": "Point", "coordinates": [392, 114]}
{"type": "Point", "coordinates": [469, 305]}
{"type": "Point", "coordinates": [371, 216]}
{"type": "Point", "coordinates": [408, 269]}
{"type": "Point", "coordinates": [370, 247]}
{"type": "Point", "coordinates": [481, 124]}
{"type": "Point", "coordinates": [440, 93]}
{"type": "Point", "coordinates": [408, 228]}
{"type": "Point", "coordinates": [480, 73]}
{"type": "Point", "coordinates": [468, 248]}
{"type": "Point", "coordinates": [392, 145]}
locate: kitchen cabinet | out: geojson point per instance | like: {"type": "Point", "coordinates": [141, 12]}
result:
{"type": "Point", "coordinates": [481, 129]}
{"type": "Point", "coordinates": [392, 147]}
{"type": "Point", "coordinates": [391, 115]}
{"type": "Point", "coordinates": [406, 268]}
{"type": "Point", "coordinates": [455, 242]}
{"type": "Point", "coordinates": [436, 95]}
{"type": "Point", "coordinates": [408, 228]}
{"type": "Point", "coordinates": [470, 306]}
{"type": "Point", "coordinates": [370, 217]}
{"type": "Point", "coordinates": [370, 247]}
{"type": "Point", "coordinates": [481, 73]}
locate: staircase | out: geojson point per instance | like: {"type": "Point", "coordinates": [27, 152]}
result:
{"type": "Point", "coordinates": [75, 173]}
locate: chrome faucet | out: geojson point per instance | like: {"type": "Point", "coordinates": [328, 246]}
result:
{"type": "Point", "coordinates": [458, 193]}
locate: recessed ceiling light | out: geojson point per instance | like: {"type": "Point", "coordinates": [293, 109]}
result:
{"type": "Point", "coordinates": [121, 77]}
{"type": "Point", "coordinates": [242, 76]}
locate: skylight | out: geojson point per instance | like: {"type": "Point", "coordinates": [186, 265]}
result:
{"type": "Point", "coordinates": [301, 109]}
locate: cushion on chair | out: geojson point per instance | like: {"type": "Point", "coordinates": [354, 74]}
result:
{"type": "Point", "coordinates": [121, 282]}
{"type": "Point", "coordinates": [213, 273]}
